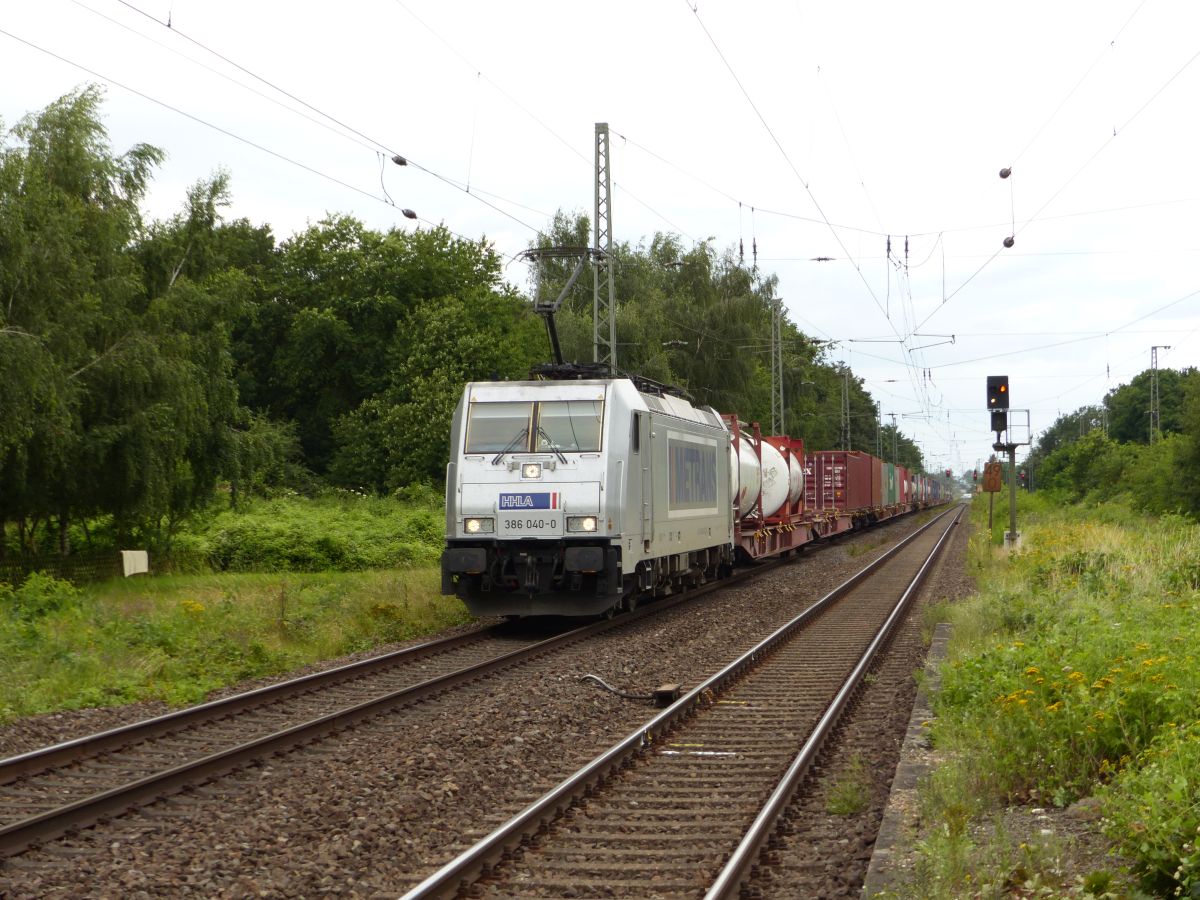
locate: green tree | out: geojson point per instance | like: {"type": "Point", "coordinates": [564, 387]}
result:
{"type": "Point", "coordinates": [320, 339]}
{"type": "Point", "coordinates": [401, 435]}
{"type": "Point", "coordinates": [1091, 467]}
{"type": "Point", "coordinates": [129, 376]}
{"type": "Point", "coordinates": [1128, 406]}
{"type": "Point", "coordinates": [69, 210]}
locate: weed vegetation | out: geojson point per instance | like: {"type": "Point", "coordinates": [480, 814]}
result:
{"type": "Point", "coordinates": [850, 794]}
{"type": "Point", "coordinates": [176, 638]}
{"type": "Point", "coordinates": [1072, 679]}
{"type": "Point", "coordinates": [339, 530]}
{"type": "Point", "coordinates": [276, 584]}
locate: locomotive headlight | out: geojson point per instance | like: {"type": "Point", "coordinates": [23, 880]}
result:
{"type": "Point", "coordinates": [479, 526]}
{"type": "Point", "coordinates": [581, 523]}
{"type": "Point", "coordinates": [531, 470]}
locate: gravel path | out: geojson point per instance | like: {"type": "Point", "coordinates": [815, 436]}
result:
{"type": "Point", "coordinates": [374, 810]}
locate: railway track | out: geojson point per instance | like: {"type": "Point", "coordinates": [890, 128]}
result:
{"type": "Point", "coordinates": [60, 789]}
{"type": "Point", "coordinates": [50, 791]}
{"type": "Point", "coordinates": [684, 805]}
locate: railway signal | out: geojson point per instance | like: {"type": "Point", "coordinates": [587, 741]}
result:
{"type": "Point", "coordinates": [998, 401]}
{"type": "Point", "coordinates": [997, 392]}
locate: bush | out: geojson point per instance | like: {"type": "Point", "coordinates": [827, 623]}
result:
{"type": "Point", "coordinates": [38, 596]}
{"type": "Point", "coordinates": [1152, 812]}
{"type": "Point", "coordinates": [344, 530]}
{"type": "Point", "coordinates": [1070, 675]}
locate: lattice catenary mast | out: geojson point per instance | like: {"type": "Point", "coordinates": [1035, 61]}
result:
{"type": "Point", "coordinates": [604, 307]}
{"type": "Point", "coordinates": [1155, 422]}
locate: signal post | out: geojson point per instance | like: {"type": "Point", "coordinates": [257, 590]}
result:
{"type": "Point", "coordinates": [999, 405]}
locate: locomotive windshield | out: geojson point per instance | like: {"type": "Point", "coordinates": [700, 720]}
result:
{"type": "Point", "coordinates": [547, 426]}
{"type": "Point", "coordinates": [570, 426]}
{"type": "Point", "coordinates": [492, 427]}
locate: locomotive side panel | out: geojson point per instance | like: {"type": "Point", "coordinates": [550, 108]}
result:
{"type": "Point", "coordinates": [688, 523]}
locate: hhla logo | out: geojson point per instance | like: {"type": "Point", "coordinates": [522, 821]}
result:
{"type": "Point", "coordinates": [530, 501]}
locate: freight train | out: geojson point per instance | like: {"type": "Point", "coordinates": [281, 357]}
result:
{"type": "Point", "coordinates": [583, 496]}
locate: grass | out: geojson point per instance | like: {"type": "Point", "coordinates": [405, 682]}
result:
{"type": "Point", "coordinates": [1071, 674]}
{"type": "Point", "coordinates": [276, 584]}
{"type": "Point", "coordinates": [176, 638]}
{"type": "Point", "coordinates": [850, 794]}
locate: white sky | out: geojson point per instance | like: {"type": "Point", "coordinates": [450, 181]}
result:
{"type": "Point", "coordinates": [880, 118]}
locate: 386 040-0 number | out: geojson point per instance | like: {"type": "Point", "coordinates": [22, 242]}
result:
{"type": "Point", "coordinates": [530, 524]}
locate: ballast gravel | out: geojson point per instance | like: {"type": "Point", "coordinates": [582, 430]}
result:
{"type": "Point", "coordinates": [372, 811]}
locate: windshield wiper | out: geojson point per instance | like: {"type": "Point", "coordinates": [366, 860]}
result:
{"type": "Point", "coordinates": [521, 435]}
{"type": "Point", "coordinates": [553, 446]}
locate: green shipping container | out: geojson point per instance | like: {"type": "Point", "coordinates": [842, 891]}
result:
{"type": "Point", "coordinates": [889, 485]}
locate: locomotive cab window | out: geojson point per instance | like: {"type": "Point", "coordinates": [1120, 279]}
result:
{"type": "Point", "coordinates": [492, 427]}
{"type": "Point", "coordinates": [547, 426]}
{"type": "Point", "coordinates": [570, 426]}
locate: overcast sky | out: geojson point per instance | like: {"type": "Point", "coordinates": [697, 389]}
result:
{"type": "Point", "coordinates": [807, 129]}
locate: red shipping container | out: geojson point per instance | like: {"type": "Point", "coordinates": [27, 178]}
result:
{"type": "Point", "coordinates": [839, 480]}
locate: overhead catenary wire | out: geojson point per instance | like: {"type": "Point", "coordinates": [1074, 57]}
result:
{"type": "Point", "coordinates": [881, 232]}
{"type": "Point", "coordinates": [194, 118]}
{"type": "Point", "coordinates": [1078, 340]}
{"type": "Point", "coordinates": [227, 77]}
{"type": "Point", "coordinates": [1117, 130]}
{"type": "Point", "coordinates": [909, 362]}
{"type": "Point", "coordinates": [349, 128]}
{"type": "Point", "coordinates": [923, 250]}
{"type": "Point", "coordinates": [1082, 79]}
{"type": "Point", "coordinates": [230, 134]}
{"type": "Point", "coordinates": [617, 185]}
{"type": "Point", "coordinates": [791, 165]}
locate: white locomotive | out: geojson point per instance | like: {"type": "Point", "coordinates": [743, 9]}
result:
{"type": "Point", "coordinates": [578, 497]}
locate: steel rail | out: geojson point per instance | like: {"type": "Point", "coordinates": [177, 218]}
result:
{"type": "Point", "coordinates": [729, 882]}
{"type": "Point", "coordinates": [478, 860]}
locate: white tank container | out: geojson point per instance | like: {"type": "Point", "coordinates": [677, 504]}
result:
{"type": "Point", "coordinates": [779, 480]}
{"type": "Point", "coordinates": [749, 476]}
{"type": "Point", "coordinates": [776, 479]}
{"type": "Point", "coordinates": [796, 471]}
